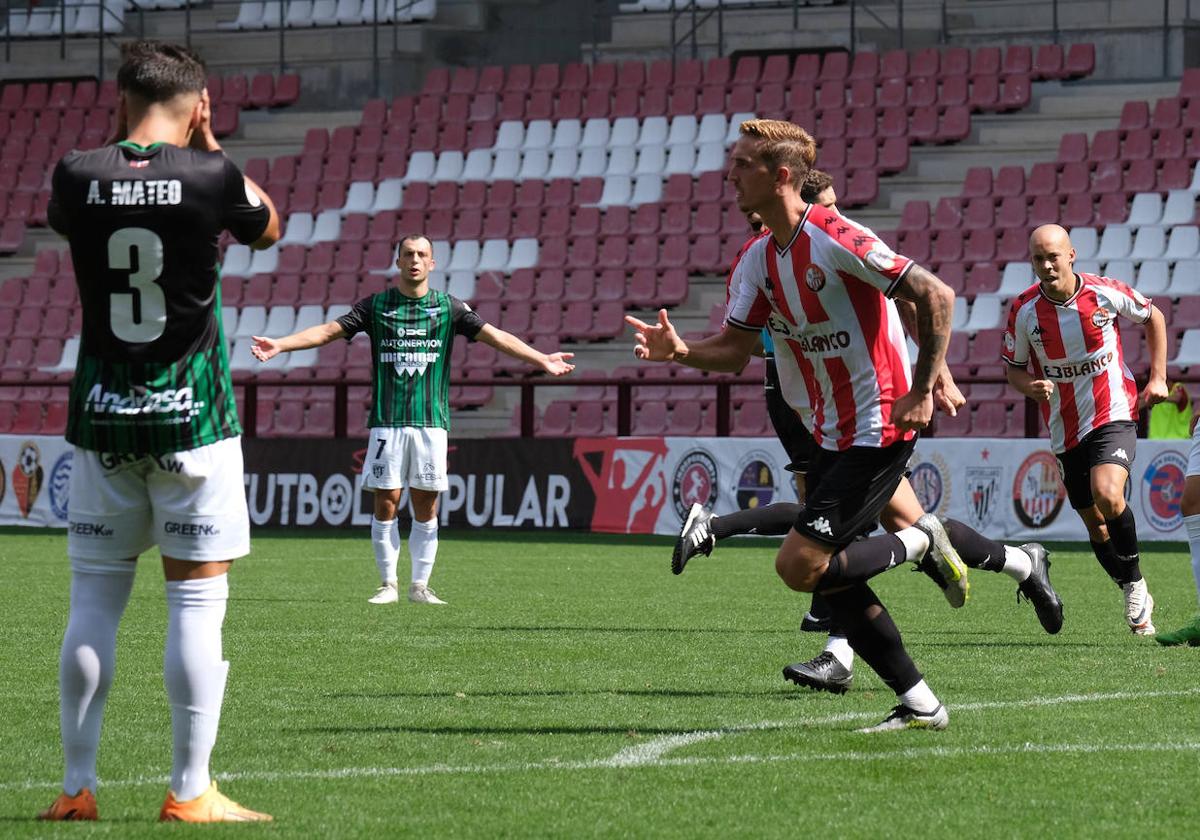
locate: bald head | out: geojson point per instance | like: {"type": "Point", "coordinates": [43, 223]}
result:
{"type": "Point", "coordinates": [1052, 256]}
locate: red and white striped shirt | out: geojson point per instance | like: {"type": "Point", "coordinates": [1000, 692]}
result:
{"type": "Point", "coordinates": [839, 344]}
{"type": "Point", "coordinates": [1078, 347]}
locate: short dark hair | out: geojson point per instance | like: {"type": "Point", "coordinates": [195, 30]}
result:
{"type": "Point", "coordinates": [815, 183]}
{"type": "Point", "coordinates": [409, 236]}
{"type": "Point", "coordinates": [155, 71]}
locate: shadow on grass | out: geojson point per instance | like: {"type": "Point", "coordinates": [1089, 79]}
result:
{"type": "Point", "coordinates": [570, 628]}
{"type": "Point", "coordinates": [484, 730]}
{"type": "Point", "coordinates": [597, 692]}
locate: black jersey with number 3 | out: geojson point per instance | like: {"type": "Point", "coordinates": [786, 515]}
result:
{"type": "Point", "coordinates": [143, 224]}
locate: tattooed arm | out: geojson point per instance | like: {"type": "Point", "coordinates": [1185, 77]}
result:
{"type": "Point", "coordinates": [934, 303]}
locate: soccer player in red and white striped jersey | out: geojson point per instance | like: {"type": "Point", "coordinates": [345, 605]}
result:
{"type": "Point", "coordinates": [821, 282]}
{"type": "Point", "coordinates": [1066, 325]}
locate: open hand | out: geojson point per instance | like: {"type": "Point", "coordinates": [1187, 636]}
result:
{"type": "Point", "coordinates": [656, 342]}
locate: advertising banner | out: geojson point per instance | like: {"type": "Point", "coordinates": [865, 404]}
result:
{"type": "Point", "coordinates": [1008, 488]}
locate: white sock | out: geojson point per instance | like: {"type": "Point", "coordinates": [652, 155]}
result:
{"type": "Point", "coordinates": [1017, 564]}
{"type": "Point", "coordinates": [385, 539]}
{"type": "Point", "coordinates": [194, 673]}
{"type": "Point", "coordinates": [1192, 523]}
{"type": "Point", "coordinates": [916, 543]}
{"type": "Point", "coordinates": [841, 650]}
{"type": "Point", "coordinates": [422, 547]}
{"type": "Point", "coordinates": [920, 698]}
{"type": "Point", "coordinates": [99, 592]}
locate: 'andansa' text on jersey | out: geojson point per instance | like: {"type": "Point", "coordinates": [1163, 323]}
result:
{"type": "Point", "coordinates": [410, 353]}
{"type": "Point", "coordinates": [1077, 346]}
{"type": "Point", "coordinates": [826, 298]}
{"type": "Point", "coordinates": [143, 224]}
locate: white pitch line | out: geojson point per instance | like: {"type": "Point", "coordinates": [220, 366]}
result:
{"type": "Point", "coordinates": [606, 764]}
{"type": "Point", "coordinates": [653, 752]}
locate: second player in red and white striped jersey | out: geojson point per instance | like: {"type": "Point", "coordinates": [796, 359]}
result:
{"type": "Point", "coordinates": [826, 298]}
{"type": "Point", "coordinates": [1076, 344]}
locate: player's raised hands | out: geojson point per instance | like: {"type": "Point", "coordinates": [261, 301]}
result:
{"type": "Point", "coordinates": [656, 342]}
{"type": "Point", "coordinates": [558, 364]}
{"type": "Point", "coordinates": [203, 138]}
{"type": "Point", "coordinates": [264, 349]}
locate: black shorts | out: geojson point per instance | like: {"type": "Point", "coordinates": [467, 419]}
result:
{"type": "Point", "coordinates": [1112, 443]}
{"type": "Point", "coordinates": [797, 441]}
{"type": "Point", "coordinates": [848, 490]}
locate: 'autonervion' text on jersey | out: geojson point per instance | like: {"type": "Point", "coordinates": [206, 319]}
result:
{"type": "Point", "coordinates": [411, 339]}
{"type": "Point", "coordinates": [143, 223]}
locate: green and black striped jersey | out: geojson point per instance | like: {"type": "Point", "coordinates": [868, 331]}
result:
{"type": "Point", "coordinates": [143, 224]}
{"type": "Point", "coordinates": [410, 353]}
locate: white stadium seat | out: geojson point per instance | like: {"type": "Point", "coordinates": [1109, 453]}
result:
{"type": "Point", "coordinates": [309, 315]}
{"type": "Point", "coordinates": [298, 230]}
{"type": "Point", "coordinates": [535, 163]}
{"type": "Point", "coordinates": [1149, 244]}
{"type": "Point", "coordinates": [1180, 208]}
{"type": "Point", "coordinates": [328, 227]}
{"type": "Point", "coordinates": [1085, 242]}
{"type": "Point", "coordinates": [735, 127]}
{"type": "Point", "coordinates": [237, 261]}
{"type": "Point", "coordinates": [621, 161]}
{"type": "Point", "coordinates": [711, 157]}
{"type": "Point", "coordinates": [647, 189]}
{"type": "Point", "coordinates": [563, 164]}
{"type": "Point", "coordinates": [266, 260]}
{"type": "Point", "coordinates": [510, 135]}
{"type": "Point", "coordinates": [449, 166]}
{"type": "Point", "coordinates": [1119, 270]}
{"type": "Point", "coordinates": [280, 320]}
{"type": "Point", "coordinates": [681, 159]}
{"type": "Point", "coordinates": [567, 134]}
{"type": "Point", "coordinates": [651, 160]}
{"type": "Point", "coordinates": [1153, 277]}
{"type": "Point", "coordinates": [524, 254]}
{"type": "Point", "coordinates": [252, 320]}
{"type": "Point", "coordinates": [595, 133]}
{"type": "Point", "coordinates": [478, 166]}
{"type": "Point", "coordinates": [618, 190]}
{"type": "Point", "coordinates": [1188, 353]}
{"type": "Point", "coordinates": [389, 195]}
{"type": "Point", "coordinates": [360, 198]}
{"type": "Point", "coordinates": [299, 14]}
{"type": "Point", "coordinates": [1115, 242]}
{"type": "Point", "coordinates": [654, 132]}
{"type": "Point", "coordinates": [1147, 209]}
{"type": "Point", "coordinates": [683, 130]}
{"type": "Point", "coordinates": [349, 12]}
{"type": "Point", "coordinates": [1017, 277]}
{"type": "Point", "coordinates": [624, 132]}
{"type": "Point", "coordinates": [986, 314]}
{"type": "Point", "coordinates": [420, 167]}
{"type": "Point", "coordinates": [712, 129]}
{"type": "Point", "coordinates": [1184, 243]}
{"type": "Point", "coordinates": [538, 135]}
{"type": "Point", "coordinates": [592, 163]}
{"type": "Point", "coordinates": [493, 256]}
{"type": "Point", "coordinates": [506, 165]}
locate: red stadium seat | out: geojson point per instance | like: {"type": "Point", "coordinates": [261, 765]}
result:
{"type": "Point", "coordinates": [1080, 61]}
{"type": "Point", "coordinates": [1048, 62]}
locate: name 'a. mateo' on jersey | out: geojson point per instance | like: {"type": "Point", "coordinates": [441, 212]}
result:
{"type": "Point", "coordinates": [163, 192]}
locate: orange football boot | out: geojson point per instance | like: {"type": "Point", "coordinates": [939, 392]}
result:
{"type": "Point", "coordinates": [81, 806]}
{"type": "Point", "coordinates": [210, 806]}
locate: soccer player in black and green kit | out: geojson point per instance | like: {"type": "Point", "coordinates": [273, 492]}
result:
{"type": "Point", "coordinates": [412, 329]}
{"type": "Point", "coordinates": [158, 457]}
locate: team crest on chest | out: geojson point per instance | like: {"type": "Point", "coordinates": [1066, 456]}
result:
{"type": "Point", "coordinates": [814, 278]}
{"type": "Point", "coordinates": [1101, 318]}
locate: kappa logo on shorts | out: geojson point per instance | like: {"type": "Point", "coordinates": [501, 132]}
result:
{"type": "Point", "coordinates": [821, 524]}
{"type": "Point", "coordinates": [1120, 453]}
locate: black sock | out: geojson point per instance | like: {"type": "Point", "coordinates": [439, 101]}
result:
{"type": "Point", "coordinates": [976, 550]}
{"type": "Point", "coordinates": [1122, 534]}
{"type": "Point", "coordinates": [819, 609]}
{"type": "Point", "coordinates": [869, 629]}
{"type": "Point", "coordinates": [769, 521]}
{"type": "Point", "coordinates": [1109, 561]}
{"type": "Point", "coordinates": [861, 561]}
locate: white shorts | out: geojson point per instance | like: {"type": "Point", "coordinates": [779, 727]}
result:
{"type": "Point", "coordinates": [406, 456]}
{"type": "Point", "coordinates": [191, 504]}
{"type": "Point", "coordinates": [1193, 464]}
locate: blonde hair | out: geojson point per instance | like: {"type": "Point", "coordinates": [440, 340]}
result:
{"type": "Point", "coordinates": [783, 144]}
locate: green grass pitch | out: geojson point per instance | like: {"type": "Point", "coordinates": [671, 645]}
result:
{"type": "Point", "coordinates": [575, 688]}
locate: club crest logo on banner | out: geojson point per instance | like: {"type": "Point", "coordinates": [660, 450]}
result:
{"type": "Point", "coordinates": [755, 480]}
{"type": "Point", "coordinates": [1037, 490]}
{"type": "Point", "coordinates": [27, 477]}
{"type": "Point", "coordinates": [60, 485]}
{"type": "Point", "coordinates": [982, 490]}
{"type": "Point", "coordinates": [930, 480]}
{"type": "Point", "coordinates": [1162, 488]}
{"type": "Point", "coordinates": [695, 482]}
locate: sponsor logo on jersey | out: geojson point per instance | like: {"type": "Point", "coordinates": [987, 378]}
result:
{"type": "Point", "coordinates": [930, 480]}
{"type": "Point", "coordinates": [1162, 489]}
{"type": "Point", "coordinates": [1037, 490]}
{"type": "Point", "coordinates": [695, 482]}
{"type": "Point", "coordinates": [982, 488]}
{"type": "Point", "coordinates": [60, 484]}
{"type": "Point", "coordinates": [172, 401]}
{"type": "Point", "coordinates": [880, 258]}
{"type": "Point", "coordinates": [89, 529]}
{"type": "Point", "coordinates": [755, 480]}
{"type": "Point", "coordinates": [138, 164]}
{"type": "Point", "coordinates": [1010, 343]}
{"type": "Point", "coordinates": [814, 278]}
{"type": "Point", "coordinates": [1078, 370]}
{"type": "Point", "coordinates": [1035, 335]}
{"type": "Point", "coordinates": [27, 477]}
{"type": "Point", "coordinates": [191, 529]}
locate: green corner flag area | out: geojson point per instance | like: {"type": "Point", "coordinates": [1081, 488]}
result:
{"type": "Point", "coordinates": [573, 687]}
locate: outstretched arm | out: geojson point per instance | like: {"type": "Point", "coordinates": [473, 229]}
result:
{"type": "Point", "coordinates": [728, 351]}
{"type": "Point", "coordinates": [265, 349]}
{"type": "Point", "coordinates": [555, 364]}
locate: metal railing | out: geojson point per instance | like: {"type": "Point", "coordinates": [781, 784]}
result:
{"type": "Point", "coordinates": [723, 387]}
